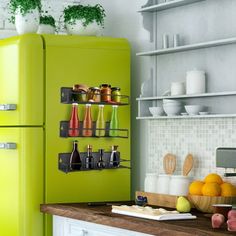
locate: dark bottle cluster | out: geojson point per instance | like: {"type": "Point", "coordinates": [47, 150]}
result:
{"type": "Point", "coordinates": [93, 160]}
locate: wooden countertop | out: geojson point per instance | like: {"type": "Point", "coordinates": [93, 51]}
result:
{"type": "Point", "coordinates": [102, 215]}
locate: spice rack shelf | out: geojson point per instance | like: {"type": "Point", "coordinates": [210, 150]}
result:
{"type": "Point", "coordinates": [64, 162]}
{"type": "Point", "coordinates": [68, 96]}
{"type": "Point", "coordinates": [64, 128]}
{"type": "Point", "coordinates": [190, 47]}
{"type": "Point", "coordinates": [167, 5]}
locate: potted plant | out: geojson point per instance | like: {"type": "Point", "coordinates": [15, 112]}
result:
{"type": "Point", "coordinates": [25, 15]}
{"type": "Point", "coordinates": [84, 20]}
{"type": "Point", "coordinates": [47, 25]}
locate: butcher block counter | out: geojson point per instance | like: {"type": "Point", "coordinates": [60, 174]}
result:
{"type": "Point", "coordinates": [101, 214]}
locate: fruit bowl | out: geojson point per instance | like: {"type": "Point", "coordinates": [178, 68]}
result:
{"type": "Point", "coordinates": [204, 203]}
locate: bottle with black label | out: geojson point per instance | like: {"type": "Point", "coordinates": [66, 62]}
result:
{"type": "Point", "coordinates": [89, 158]}
{"type": "Point", "coordinates": [101, 163]}
{"type": "Point", "coordinates": [75, 160]}
{"type": "Point", "coordinates": [114, 160]}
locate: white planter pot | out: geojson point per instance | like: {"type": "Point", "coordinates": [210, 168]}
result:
{"type": "Point", "coordinates": [28, 23]}
{"type": "Point", "coordinates": [93, 29]}
{"type": "Point", "coordinates": [46, 29]}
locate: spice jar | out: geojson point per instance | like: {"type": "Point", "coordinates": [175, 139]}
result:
{"type": "Point", "coordinates": [79, 93]}
{"type": "Point", "coordinates": [105, 92]}
{"type": "Point", "coordinates": [94, 94]}
{"type": "Point", "coordinates": [115, 94]}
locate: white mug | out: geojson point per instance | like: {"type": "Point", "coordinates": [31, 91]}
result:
{"type": "Point", "coordinates": [150, 183]}
{"type": "Point", "coordinates": [177, 88]}
{"type": "Point", "coordinates": [195, 82]}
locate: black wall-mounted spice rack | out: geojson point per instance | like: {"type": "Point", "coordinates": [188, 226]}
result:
{"type": "Point", "coordinates": [65, 166]}
{"type": "Point", "coordinates": [68, 96]}
{"type": "Point", "coordinates": [64, 130]}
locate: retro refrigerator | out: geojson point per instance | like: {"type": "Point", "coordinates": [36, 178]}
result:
{"type": "Point", "coordinates": [37, 73]}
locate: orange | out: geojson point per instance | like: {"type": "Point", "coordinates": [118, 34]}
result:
{"type": "Point", "coordinates": [213, 178]}
{"type": "Point", "coordinates": [227, 190]}
{"type": "Point", "coordinates": [195, 187]}
{"type": "Point", "coordinates": [211, 189]}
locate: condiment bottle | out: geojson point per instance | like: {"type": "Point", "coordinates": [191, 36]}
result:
{"type": "Point", "coordinates": [87, 123]}
{"type": "Point", "coordinates": [100, 123]}
{"type": "Point", "coordinates": [75, 160]}
{"type": "Point", "coordinates": [105, 92]}
{"type": "Point", "coordinates": [74, 121]}
{"type": "Point", "coordinates": [89, 158]}
{"type": "Point", "coordinates": [114, 162]}
{"type": "Point", "coordinates": [115, 94]}
{"type": "Point", "coordinates": [101, 163]}
{"type": "Point", "coordinates": [114, 124]}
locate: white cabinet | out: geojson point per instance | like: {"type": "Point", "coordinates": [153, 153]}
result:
{"type": "Point", "coordinates": [63, 226]}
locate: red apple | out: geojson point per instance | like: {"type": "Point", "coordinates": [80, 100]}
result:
{"type": "Point", "coordinates": [232, 224]}
{"type": "Point", "coordinates": [232, 214]}
{"type": "Point", "coordinates": [217, 220]}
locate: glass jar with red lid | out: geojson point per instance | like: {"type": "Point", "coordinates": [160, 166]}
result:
{"type": "Point", "coordinates": [105, 92]}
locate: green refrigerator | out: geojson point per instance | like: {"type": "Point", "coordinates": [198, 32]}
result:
{"type": "Point", "coordinates": [37, 73]}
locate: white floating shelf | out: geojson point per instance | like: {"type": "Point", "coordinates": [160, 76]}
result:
{"type": "Point", "coordinates": [196, 46]}
{"type": "Point", "coordinates": [167, 5]}
{"type": "Point", "coordinates": [186, 117]}
{"type": "Point", "coordinates": [218, 94]}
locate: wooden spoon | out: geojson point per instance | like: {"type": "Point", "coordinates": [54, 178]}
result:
{"type": "Point", "coordinates": [188, 164]}
{"type": "Point", "coordinates": [169, 163]}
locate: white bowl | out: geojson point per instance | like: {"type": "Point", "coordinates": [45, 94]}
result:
{"type": "Point", "coordinates": [172, 109]}
{"type": "Point", "coordinates": [194, 109]}
{"type": "Point", "coordinates": [156, 111]}
{"type": "Point", "coordinates": [171, 101]}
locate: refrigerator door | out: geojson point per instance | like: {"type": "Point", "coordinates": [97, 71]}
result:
{"type": "Point", "coordinates": [92, 61]}
{"type": "Point", "coordinates": [21, 81]}
{"type": "Point", "coordinates": [21, 181]}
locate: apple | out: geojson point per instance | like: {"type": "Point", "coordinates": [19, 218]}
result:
{"type": "Point", "coordinates": [232, 214]}
{"type": "Point", "coordinates": [217, 220]}
{"type": "Point", "coordinates": [231, 224]}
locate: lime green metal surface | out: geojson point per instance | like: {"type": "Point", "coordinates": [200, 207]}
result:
{"type": "Point", "coordinates": [21, 76]}
{"type": "Point", "coordinates": [21, 175]}
{"type": "Point", "coordinates": [92, 61]}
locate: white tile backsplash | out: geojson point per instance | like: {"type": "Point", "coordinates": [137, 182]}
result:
{"type": "Point", "coordinates": [199, 137]}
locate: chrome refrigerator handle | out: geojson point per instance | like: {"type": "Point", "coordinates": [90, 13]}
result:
{"type": "Point", "coordinates": [7, 107]}
{"type": "Point", "coordinates": [7, 145]}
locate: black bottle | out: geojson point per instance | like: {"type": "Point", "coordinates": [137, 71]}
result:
{"type": "Point", "coordinates": [114, 160]}
{"type": "Point", "coordinates": [101, 163]}
{"type": "Point", "coordinates": [75, 160]}
{"type": "Point", "coordinates": [89, 158]}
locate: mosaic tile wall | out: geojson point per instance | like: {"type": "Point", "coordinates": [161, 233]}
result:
{"type": "Point", "coordinates": [200, 137]}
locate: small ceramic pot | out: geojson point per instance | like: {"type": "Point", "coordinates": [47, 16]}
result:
{"type": "Point", "coordinates": [163, 182]}
{"type": "Point", "coordinates": [27, 23]}
{"type": "Point", "coordinates": [179, 185]}
{"type": "Point", "coordinates": [77, 28]}
{"type": "Point", "coordinates": [46, 29]}
{"type": "Point", "coordinates": [150, 183]}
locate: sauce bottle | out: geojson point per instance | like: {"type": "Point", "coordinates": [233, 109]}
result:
{"type": "Point", "coordinates": [87, 123]}
{"type": "Point", "coordinates": [89, 158]}
{"type": "Point", "coordinates": [101, 163]}
{"type": "Point", "coordinates": [114, 162]}
{"type": "Point", "coordinates": [100, 123]}
{"type": "Point", "coordinates": [114, 124]}
{"type": "Point", "coordinates": [74, 121]}
{"type": "Point", "coordinates": [75, 160]}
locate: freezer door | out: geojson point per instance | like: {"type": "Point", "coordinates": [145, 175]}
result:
{"type": "Point", "coordinates": [21, 80]}
{"type": "Point", "coordinates": [21, 181]}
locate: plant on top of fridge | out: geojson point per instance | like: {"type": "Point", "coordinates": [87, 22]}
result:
{"type": "Point", "coordinates": [23, 6]}
{"type": "Point", "coordinates": [47, 20]}
{"type": "Point", "coordinates": [85, 20]}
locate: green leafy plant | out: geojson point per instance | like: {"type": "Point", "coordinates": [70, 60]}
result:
{"type": "Point", "coordinates": [87, 14]}
{"type": "Point", "coordinates": [24, 6]}
{"type": "Point", "coordinates": [47, 20]}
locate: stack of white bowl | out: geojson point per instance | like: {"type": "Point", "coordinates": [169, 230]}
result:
{"type": "Point", "coordinates": [172, 107]}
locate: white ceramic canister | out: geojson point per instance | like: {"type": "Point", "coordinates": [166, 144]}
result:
{"type": "Point", "coordinates": [179, 185]}
{"type": "Point", "coordinates": [178, 88]}
{"type": "Point", "coordinates": [195, 82]}
{"type": "Point", "coordinates": [163, 182]}
{"type": "Point", "coordinates": [150, 183]}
